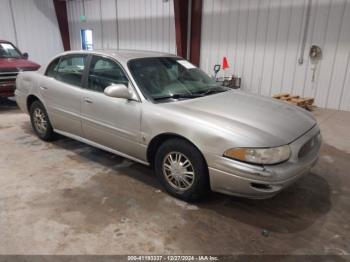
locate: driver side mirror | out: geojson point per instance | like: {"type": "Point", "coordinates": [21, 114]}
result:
{"type": "Point", "coordinates": [25, 55]}
{"type": "Point", "coordinates": [120, 91]}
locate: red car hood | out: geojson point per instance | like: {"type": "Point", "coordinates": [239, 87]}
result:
{"type": "Point", "coordinates": [7, 63]}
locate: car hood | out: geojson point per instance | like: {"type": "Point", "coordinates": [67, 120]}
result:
{"type": "Point", "coordinates": [14, 63]}
{"type": "Point", "coordinates": [263, 120]}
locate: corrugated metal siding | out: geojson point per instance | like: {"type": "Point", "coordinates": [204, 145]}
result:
{"type": "Point", "coordinates": [124, 24]}
{"type": "Point", "coordinates": [262, 40]}
{"type": "Point", "coordinates": [7, 31]}
{"type": "Point", "coordinates": [34, 25]}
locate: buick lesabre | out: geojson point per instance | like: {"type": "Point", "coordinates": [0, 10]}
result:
{"type": "Point", "coordinates": [160, 110]}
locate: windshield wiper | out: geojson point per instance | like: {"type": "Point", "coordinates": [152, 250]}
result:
{"type": "Point", "coordinates": [212, 90]}
{"type": "Point", "coordinates": [176, 96]}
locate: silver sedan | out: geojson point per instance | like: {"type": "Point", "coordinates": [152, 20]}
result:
{"type": "Point", "coordinates": [160, 110]}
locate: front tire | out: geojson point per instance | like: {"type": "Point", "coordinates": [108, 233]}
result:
{"type": "Point", "coordinates": [41, 122]}
{"type": "Point", "coordinates": [182, 170]}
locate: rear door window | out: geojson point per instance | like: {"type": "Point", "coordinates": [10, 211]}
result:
{"type": "Point", "coordinates": [52, 68]}
{"type": "Point", "coordinates": [71, 69]}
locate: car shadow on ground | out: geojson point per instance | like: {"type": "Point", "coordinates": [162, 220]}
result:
{"type": "Point", "coordinates": [293, 210]}
{"type": "Point", "coordinates": [7, 105]}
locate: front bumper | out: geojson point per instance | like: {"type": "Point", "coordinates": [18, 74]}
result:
{"type": "Point", "coordinates": [7, 88]}
{"type": "Point", "coordinates": [241, 179]}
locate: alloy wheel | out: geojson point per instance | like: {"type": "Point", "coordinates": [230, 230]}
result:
{"type": "Point", "coordinates": [178, 171]}
{"type": "Point", "coordinates": [40, 121]}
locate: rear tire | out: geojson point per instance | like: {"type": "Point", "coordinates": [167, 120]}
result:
{"type": "Point", "coordinates": [41, 122]}
{"type": "Point", "coordinates": [182, 170]}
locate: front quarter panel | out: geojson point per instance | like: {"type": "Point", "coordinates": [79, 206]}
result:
{"type": "Point", "coordinates": [210, 140]}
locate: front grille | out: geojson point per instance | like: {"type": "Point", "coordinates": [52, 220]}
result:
{"type": "Point", "coordinates": [9, 70]}
{"type": "Point", "coordinates": [8, 76]}
{"type": "Point", "coordinates": [308, 146]}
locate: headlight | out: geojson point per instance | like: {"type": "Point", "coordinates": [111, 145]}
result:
{"type": "Point", "coordinates": [260, 155]}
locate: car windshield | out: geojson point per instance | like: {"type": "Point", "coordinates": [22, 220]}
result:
{"type": "Point", "coordinates": [164, 78]}
{"type": "Point", "coordinates": [7, 50]}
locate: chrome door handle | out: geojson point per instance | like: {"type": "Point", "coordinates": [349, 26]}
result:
{"type": "Point", "coordinates": [87, 100]}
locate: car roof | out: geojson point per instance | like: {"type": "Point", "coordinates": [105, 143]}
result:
{"type": "Point", "coordinates": [122, 55]}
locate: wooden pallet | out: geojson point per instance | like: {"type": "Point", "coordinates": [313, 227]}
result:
{"type": "Point", "coordinates": [305, 102]}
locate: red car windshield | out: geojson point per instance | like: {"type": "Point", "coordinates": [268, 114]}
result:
{"type": "Point", "coordinates": [8, 50]}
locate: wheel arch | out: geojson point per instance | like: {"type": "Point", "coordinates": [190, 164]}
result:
{"type": "Point", "coordinates": [159, 139]}
{"type": "Point", "coordinates": [30, 100]}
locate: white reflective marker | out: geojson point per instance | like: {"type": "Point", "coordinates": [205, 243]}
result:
{"type": "Point", "coordinates": [186, 64]}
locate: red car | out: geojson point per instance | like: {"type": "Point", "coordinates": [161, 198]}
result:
{"type": "Point", "coordinates": [12, 61]}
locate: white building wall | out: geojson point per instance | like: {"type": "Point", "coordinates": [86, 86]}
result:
{"type": "Point", "coordinates": [124, 24]}
{"type": "Point", "coordinates": [7, 27]}
{"type": "Point", "coordinates": [262, 41]}
{"type": "Point", "coordinates": [32, 26]}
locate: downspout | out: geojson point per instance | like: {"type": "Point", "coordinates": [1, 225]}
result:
{"type": "Point", "coordinates": [306, 29]}
{"type": "Point", "coordinates": [13, 22]}
{"type": "Point", "coordinates": [189, 24]}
